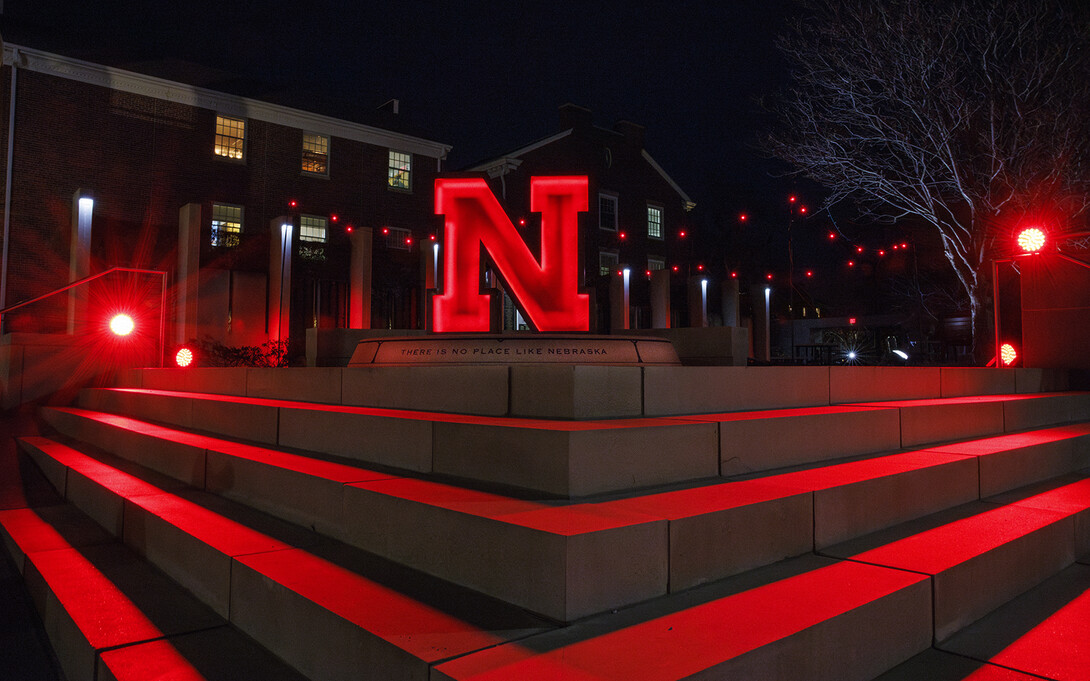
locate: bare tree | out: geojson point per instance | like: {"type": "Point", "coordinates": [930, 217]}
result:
{"type": "Point", "coordinates": [968, 115]}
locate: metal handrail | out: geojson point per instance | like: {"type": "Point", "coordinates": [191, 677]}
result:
{"type": "Point", "coordinates": [79, 282]}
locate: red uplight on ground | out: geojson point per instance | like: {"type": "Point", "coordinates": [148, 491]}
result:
{"type": "Point", "coordinates": [184, 357]}
{"type": "Point", "coordinates": [122, 325]}
{"type": "Point", "coordinates": [1007, 354]}
{"type": "Point", "coordinates": [1031, 240]}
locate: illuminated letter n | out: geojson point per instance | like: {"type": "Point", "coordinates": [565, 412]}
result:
{"type": "Point", "coordinates": [547, 292]}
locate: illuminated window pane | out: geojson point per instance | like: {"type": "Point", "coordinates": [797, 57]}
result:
{"type": "Point", "coordinates": [654, 222]}
{"type": "Point", "coordinates": [607, 262]}
{"type": "Point", "coordinates": [315, 153]}
{"type": "Point", "coordinates": [655, 263]}
{"type": "Point", "coordinates": [399, 238]}
{"type": "Point", "coordinates": [607, 212]}
{"type": "Point", "coordinates": [226, 224]}
{"type": "Point", "coordinates": [400, 170]}
{"type": "Point", "coordinates": [230, 136]}
{"type": "Point", "coordinates": [312, 228]}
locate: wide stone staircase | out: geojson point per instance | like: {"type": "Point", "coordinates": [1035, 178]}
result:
{"type": "Point", "coordinates": [563, 522]}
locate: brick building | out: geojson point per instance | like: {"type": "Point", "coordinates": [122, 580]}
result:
{"type": "Point", "coordinates": [268, 219]}
{"type": "Point", "coordinates": [639, 218]}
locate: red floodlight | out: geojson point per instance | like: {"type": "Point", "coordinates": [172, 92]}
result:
{"type": "Point", "coordinates": [1031, 239]}
{"type": "Point", "coordinates": [184, 357]}
{"type": "Point", "coordinates": [1007, 354]}
{"type": "Point", "coordinates": [122, 325]}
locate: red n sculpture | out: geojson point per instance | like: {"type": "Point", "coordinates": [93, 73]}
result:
{"type": "Point", "coordinates": [547, 292]}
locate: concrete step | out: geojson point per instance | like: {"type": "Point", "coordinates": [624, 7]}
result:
{"type": "Point", "coordinates": [1043, 632]}
{"type": "Point", "coordinates": [596, 392]}
{"type": "Point", "coordinates": [562, 458]}
{"type": "Point", "coordinates": [109, 615]}
{"type": "Point", "coordinates": [580, 458]}
{"type": "Point", "coordinates": [572, 560]}
{"type": "Point", "coordinates": [979, 556]}
{"type": "Point", "coordinates": [266, 586]}
{"type": "Point", "coordinates": [806, 618]}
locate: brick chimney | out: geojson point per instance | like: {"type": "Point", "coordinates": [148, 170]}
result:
{"type": "Point", "coordinates": [574, 116]}
{"type": "Point", "coordinates": [633, 132]}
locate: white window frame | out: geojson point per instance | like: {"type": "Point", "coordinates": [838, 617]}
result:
{"type": "Point", "coordinates": [653, 210]}
{"type": "Point", "coordinates": [313, 228]}
{"type": "Point", "coordinates": [399, 162]}
{"type": "Point", "coordinates": [223, 235]}
{"type": "Point", "coordinates": [317, 140]}
{"type": "Point", "coordinates": [655, 263]}
{"type": "Point", "coordinates": [228, 145]}
{"type": "Point", "coordinates": [609, 260]}
{"type": "Point", "coordinates": [607, 198]}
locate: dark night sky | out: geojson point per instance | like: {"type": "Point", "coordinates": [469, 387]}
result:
{"type": "Point", "coordinates": [487, 77]}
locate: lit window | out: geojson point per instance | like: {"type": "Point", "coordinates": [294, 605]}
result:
{"type": "Point", "coordinates": [230, 136]}
{"type": "Point", "coordinates": [607, 262]}
{"type": "Point", "coordinates": [654, 222]}
{"type": "Point", "coordinates": [312, 228]}
{"type": "Point", "coordinates": [400, 170]}
{"type": "Point", "coordinates": [654, 263]}
{"type": "Point", "coordinates": [226, 224]}
{"type": "Point", "coordinates": [315, 153]}
{"type": "Point", "coordinates": [399, 238]}
{"type": "Point", "coordinates": [607, 212]}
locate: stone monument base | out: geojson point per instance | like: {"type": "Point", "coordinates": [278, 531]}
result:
{"type": "Point", "coordinates": [514, 349]}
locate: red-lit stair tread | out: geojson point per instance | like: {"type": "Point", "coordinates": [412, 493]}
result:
{"type": "Point", "coordinates": [685, 643]}
{"type": "Point", "coordinates": [999, 443]}
{"type": "Point", "coordinates": [941, 548]}
{"type": "Point", "coordinates": [419, 629]}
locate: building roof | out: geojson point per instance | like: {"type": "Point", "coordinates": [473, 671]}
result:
{"type": "Point", "coordinates": [509, 162]}
{"type": "Point", "coordinates": [209, 88]}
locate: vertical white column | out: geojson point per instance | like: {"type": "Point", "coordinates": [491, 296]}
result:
{"type": "Point", "coordinates": [83, 207]}
{"type": "Point", "coordinates": [359, 291]}
{"type": "Point", "coordinates": [660, 299]}
{"type": "Point", "coordinates": [619, 301]}
{"type": "Point", "coordinates": [280, 277]}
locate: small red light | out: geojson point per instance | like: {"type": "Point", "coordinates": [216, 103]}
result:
{"type": "Point", "coordinates": [743, 217]}
{"type": "Point", "coordinates": [881, 253]}
{"type": "Point", "coordinates": [1031, 240]}
{"type": "Point", "coordinates": [832, 235]}
{"type": "Point", "coordinates": [682, 234]}
{"type": "Point", "coordinates": [522, 222]}
{"type": "Point", "coordinates": [1007, 354]}
{"type": "Point", "coordinates": [733, 275]}
{"type": "Point", "coordinates": [348, 229]}
{"type": "Point", "coordinates": [649, 273]}
{"type": "Point", "coordinates": [333, 218]}
{"type": "Point", "coordinates": [768, 276]}
{"type": "Point", "coordinates": [851, 320]}
{"type": "Point", "coordinates": [802, 209]}
{"type": "Point", "coordinates": [293, 203]}
{"type": "Point", "coordinates": [623, 235]}
{"type": "Point", "coordinates": [409, 240]}
{"type": "Point", "coordinates": [432, 237]}
{"type": "Point", "coordinates": [184, 357]}
{"type": "Point", "coordinates": [904, 245]}
{"type": "Point", "coordinates": [791, 198]}
{"type": "Point", "coordinates": [809, 273]}
{"type": "Point", "coordinates": [858, 249]}
{"type": "Point", "coordinates": [385, 230]}
{"type": "Point", "coordinates": [851, 263]}
{"type": "Point", "coordinates": [675, 268]}
{"type": "Point", "coordinates": [700, 268]}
